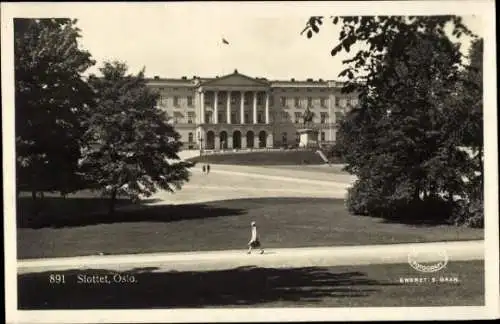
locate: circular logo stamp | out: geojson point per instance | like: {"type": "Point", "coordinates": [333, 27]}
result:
{"type": "Point", "coordinates": [427, 260]}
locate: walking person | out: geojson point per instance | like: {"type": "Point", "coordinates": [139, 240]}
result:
{"type": "Point", "coordinates": [208, 168]}
{"type": "Point", "coordinates": [254, 240]}
{"type": "Point", "coordinates": [203, 168]}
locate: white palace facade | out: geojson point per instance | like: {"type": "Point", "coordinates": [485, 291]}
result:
{"type": "Point", "coordinates": [240, 112]}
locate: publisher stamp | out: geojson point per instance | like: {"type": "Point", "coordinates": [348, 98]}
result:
{"type": "Point", "coordinates": [428, 261]}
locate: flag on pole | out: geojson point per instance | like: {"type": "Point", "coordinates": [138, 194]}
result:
{"type": "Point", "coordinates": [224, 41]}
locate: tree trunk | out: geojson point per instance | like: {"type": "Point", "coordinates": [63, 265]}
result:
{"type": "Point", "coordinates": [416, 193]}
{"type": "Point", "coordinates": [112, 202]}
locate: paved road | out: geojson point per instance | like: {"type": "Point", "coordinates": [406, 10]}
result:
{"type": "Point", "coordinates": [276, 258]}
{"type": "Point", "coordinates": [239, 182]}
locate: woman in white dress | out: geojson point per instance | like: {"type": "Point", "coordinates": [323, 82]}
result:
{"type": "Point", "coordinates": [254, 240]}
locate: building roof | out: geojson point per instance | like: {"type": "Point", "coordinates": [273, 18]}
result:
{"type": "Point", "coordinates": [238, 77]}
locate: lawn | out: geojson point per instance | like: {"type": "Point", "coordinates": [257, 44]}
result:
{"type": "Point", "coordinates": [353, 286]}
{"type": "Point", "coordinates": [291, 157]}
{"type": "Point", "coordinates": [219, 225]}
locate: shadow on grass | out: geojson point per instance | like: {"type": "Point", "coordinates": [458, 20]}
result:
{"type": "Point", "coordinates": [73, 217]}
{"type": "Point", "coordinates": [73, 212]}
{"type": "Point", "coordinates": [243, 286]}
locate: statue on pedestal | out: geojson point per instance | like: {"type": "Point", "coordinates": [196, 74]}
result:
{"type": "Point", "coordinates": [308, 135]}
{"type": "Point", "coordinates": [308, 117]}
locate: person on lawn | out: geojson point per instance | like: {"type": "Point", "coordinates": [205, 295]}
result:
{"type": "Point", "coordinates": [254, 240]}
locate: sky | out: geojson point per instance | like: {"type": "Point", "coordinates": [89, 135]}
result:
{"type": "Point", "coordinates": [175, 39]}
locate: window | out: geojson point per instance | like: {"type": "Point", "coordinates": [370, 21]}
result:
{"type": "Point", "coordinates": [191, 117]}
{"type": "Point", "coordinates": [260, 98]}
{"type": "Point", "coordinates": [208, 116]}
{"type": "Point", "coordinates": [323, 118]}
{"type": "Point", "coordinates": [283, 101]}
{"type": "Point", "coordinates": [259, 117]}
{"type": "Point", "coordinates": [233, 99]}
{"type": "Point", "coordinates": [337, 101]}
{"type": "Point", "coordinates": [297, 117]}
{"type": "Point", "coordinates": [297, 101]}
{"type": "Point", "coordinates": [339, 115]}
{"type": "Point", "coordinates": [233, 117]}
{"type": "Point", "coordinates": [247, 98]}
{"type": "Point", "coordinates": [323, 102]}
{"type": "Point", "coordinates": [246, 118]}
{"type": "Point", "coordinates": [283, 138]}
{"type": "Point", "coordinates": [162, 101]}
{"type": "Point", "coordinates": [271, 100]}
{"type": "Point", "coordinates": [190, 101]}
{"type": "Point", "coordinates": [219, 118]}
{"type": "Point", "coordinates": [322, 136]}
{"type": "Point", "coordinates": [177, 117]}
{"type": "Point", "coordinates": [190, 137]}
{"type": "Point", "coordinates": [284, 115]}
{"type": "Point", "coordinates": [176, 101]}
{"type": "Point", "coordinates": [309, 102]}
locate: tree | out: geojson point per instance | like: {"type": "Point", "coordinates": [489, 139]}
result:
{"type": "Point", "coordinates": [399, 141]}
{"type": "Point", "coordinates": [467, 127]}
{"type": "Point", "coordinates": [50, 95]}
{"type": "Point", "coordinates": [128, 140]}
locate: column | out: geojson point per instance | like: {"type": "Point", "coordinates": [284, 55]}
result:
{"type": "Point", "coordinates": [243, 141]}
{"type": "Point", "coordinates": [242, 107]}
{"type": "Point", "coordinates": [216, 142]}
{"type": "Point", "coordinates": [202, 112]}
{"type": "Point", "coordinates": [331, 102]}
{"type": "Point", "coordinates": [228, 108]}
{"type": "Point", "coordinates": [267, 107]}
{"type": "Point", "coordinates": [216, 108]}
{"type": "Point", "coordinates": [270, 140]}
{"type": "Point", "coordinates": [255, 107]}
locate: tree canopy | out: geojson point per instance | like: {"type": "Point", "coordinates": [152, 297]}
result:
{"type": "Point", "coordinates": [50, 94]}
{"type": "Point", "coordinates": [128, 141]}
{"type": "Point", "coordinates": [416, 112]}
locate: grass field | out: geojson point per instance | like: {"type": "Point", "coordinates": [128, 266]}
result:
{"type": "Point", "coordinates": [263, 158]}
{"type": "Point", "coordinates": [219, 225]}
{"type": "Point", "coordinates": [353, 286]}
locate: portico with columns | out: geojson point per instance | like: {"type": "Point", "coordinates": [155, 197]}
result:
{"type": "Point", "coordinates": [234, 113]}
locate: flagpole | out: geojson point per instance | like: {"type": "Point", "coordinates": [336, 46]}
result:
{"type": "Point", "coordinates": [224, 44]}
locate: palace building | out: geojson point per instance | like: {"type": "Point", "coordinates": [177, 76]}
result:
{"type": "Point", "coordinates": [239, 112]}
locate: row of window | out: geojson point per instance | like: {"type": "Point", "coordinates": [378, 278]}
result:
{"type": "Point", "coordinates": [221, 118]}
{"type": "Point", "coordinates": [284, 138]}
{"type": "Point", "coordinates": [323, 117]}
{"type": "Point", "coordinates": [260, 101]}
{"type": "Point", "coordinates": [176, 101]}
{"type": "Point", "coordinates": [177, 117]}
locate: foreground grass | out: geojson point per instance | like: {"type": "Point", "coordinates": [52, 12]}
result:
{"type": "Point", "coordinates": [220, 225]}
{"type": "Point", "coordinates": [353, 286]}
